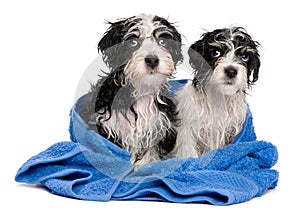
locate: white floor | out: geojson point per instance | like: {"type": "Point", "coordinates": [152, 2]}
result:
{"type": "Point", "coordinates": [45, 47]}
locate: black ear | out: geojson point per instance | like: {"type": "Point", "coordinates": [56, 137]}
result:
{"type": "Point", "coordinates": [198, 57]}
{"type": "Point", "coordinates": [176, 52]}
{"type": "Point", "coordinates": [195, 52]}
{"type": "Point", "coordinates": [254, 62]}
{"type": "Point", "coordinates": [254, 69]}
{"type": "Point", "coordinates": [113, 35]}
{"type": "Point", "coordinates": [111, 38]}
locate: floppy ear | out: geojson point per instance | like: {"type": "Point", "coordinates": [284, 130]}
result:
{"type": "Point", "coordinates": [197, 56]}
{"type": "Point", "coordinates": [254, 69]}
{"type": "Point", "coordinates": [113, 35]}
{"type": "Point", "coordinates": [175, 46]}
{"type": "Point", "coordinates": [254, 64]}
{"type": "Point", "coordinates": [195, 52]}
{"type": "Point", "coordinates": [111, 38]}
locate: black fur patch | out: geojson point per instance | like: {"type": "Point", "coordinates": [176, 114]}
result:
{"type": "Point", "coordinates": [201, 51]}
{"type": "Point", "coordinates": [111, 93]}
{"type": "Point", "coordinates": [174, 41]}
{"type": "Point", "coordinates": [116, 50]}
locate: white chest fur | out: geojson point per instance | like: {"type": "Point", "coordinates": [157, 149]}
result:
{"type": "Point", "coordinates": [209, 120]}
{"type": "Point", "coordinates": [140, 131]}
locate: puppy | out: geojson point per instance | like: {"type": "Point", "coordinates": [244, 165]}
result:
{"type": "Point", "coordinates": [213, 106]}
{"type": "Point", "coordinates": [131, 106]}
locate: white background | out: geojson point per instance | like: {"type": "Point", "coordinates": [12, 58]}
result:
{"type": "Point", "coordinates": [45, 47]}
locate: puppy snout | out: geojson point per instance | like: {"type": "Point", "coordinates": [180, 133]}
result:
{"type": "Point", "coordinates": [151, 61]}
{"type": "Point", "coordinates": [230, 72]}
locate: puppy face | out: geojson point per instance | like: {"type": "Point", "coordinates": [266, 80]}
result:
{"type": "Point", "coordinates": [232, 56]}
{"type": "Point", "coordinates": [148, 47]}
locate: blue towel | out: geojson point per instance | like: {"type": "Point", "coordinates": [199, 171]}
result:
{"type": "Point", "coordinates": [89, 167]}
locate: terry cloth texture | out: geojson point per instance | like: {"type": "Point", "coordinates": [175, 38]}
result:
{"type": "Point", "coordinates": [89, 167]}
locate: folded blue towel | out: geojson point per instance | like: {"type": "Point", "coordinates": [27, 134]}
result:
{"type": "Point", "coordinates": [90, 167]}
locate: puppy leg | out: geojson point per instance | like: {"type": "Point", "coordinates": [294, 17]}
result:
{"type": "Point", "coordinates": [186, 144]}
{"type": "Point", "coordinates": [187, 132]}
{"type": "Point", "coordinates": [150, 156]}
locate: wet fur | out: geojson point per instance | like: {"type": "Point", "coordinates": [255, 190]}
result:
{"type": "Point", "coordinates": [131, 106]}
{"type": "Point", "coordinates": [212, 106]}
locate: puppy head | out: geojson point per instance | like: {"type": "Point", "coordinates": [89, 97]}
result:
{"type": "Point", "coordinates": [148, 47]}
{"type": "Point", "coordinates": [226, 58]}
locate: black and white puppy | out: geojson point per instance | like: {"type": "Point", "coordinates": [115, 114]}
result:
{"type": "Point", "coordinates": [131, 106]}
{"type": "Point", "coordinates": [212, 106]}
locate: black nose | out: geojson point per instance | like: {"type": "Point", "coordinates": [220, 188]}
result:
{"type": "Point", "coordinates": [151, 61]}
{"type": "Point", "coordinates": [231, 72]}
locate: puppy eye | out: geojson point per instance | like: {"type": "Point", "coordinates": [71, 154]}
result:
{"type": "Point", "coordinates": [162, 42]}
{"type": "Point", "coordinates": [133, 42]}
{"type": "Point", "coordinates": [245, 57]}
{"type": "Point", "coordinates": [216, 53]}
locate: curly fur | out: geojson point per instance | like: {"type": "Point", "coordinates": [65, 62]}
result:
{"type": "Point", "coordinates": [213, 105]}
{"type": "Point", "coordinates": [131, 106]}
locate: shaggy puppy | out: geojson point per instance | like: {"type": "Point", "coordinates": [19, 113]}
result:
{"type": "Point", "coordinates": [131, 106]}
{"type": "Point", "coordinates": [213, 106]}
